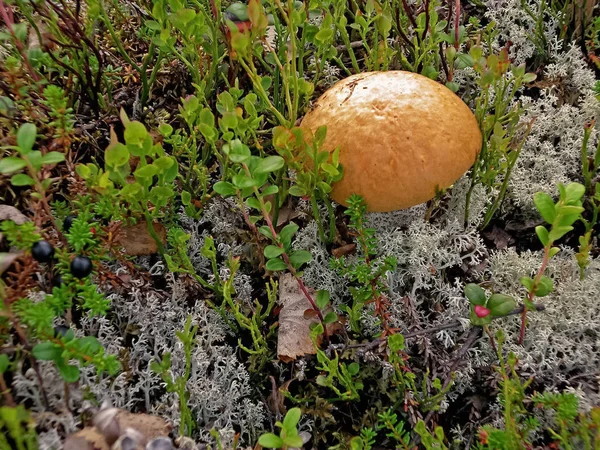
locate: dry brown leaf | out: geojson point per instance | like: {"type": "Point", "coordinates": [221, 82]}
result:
{"type": "Point", "coordinates": [137, 241]}
{"type": "Point", "coordinates": [293, 339]}
{"type": "Point", "coordinates": [149, 426]}
{"type": "Point", "coordinates": [6, 259]}
{"type": "Point", "coordinates": [343, 250]}
{"type": "Point", "coordinates": [8, 212]}
{"type": "Point", "coordinates": [87, 439]}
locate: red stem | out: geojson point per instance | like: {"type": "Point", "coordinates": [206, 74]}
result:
{"type": "Point", "coordinates": [456, 24]}
{"type": "Point", "coordinates": [7, 17]}
{"type": "Point", "coordinates": [286, 259]}
{"type": "Point", "coordinates": [531, 293]}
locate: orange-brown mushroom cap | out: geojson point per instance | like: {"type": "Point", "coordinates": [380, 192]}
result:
{"type": "Point", "coordinates": [402, 137]}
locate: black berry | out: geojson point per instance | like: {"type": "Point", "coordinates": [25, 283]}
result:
{"type": "Point", "coordinates": [81, 266]}
{"type": "Point", "coordinates": [42, 251]}
{"type": "Point", "coordinates": [67, 223]}
{"type": "Point", "coordinates": [60, 331]}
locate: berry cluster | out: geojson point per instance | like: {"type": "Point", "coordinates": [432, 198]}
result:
{"type": "Point", "coordinates": [43, 251]}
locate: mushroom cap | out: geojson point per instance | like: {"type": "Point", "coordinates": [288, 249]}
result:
{"type": "Point", "coordinates": [401, 135]}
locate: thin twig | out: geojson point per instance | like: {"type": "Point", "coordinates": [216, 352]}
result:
{"type": "Point", "coordinates": [445, 326]}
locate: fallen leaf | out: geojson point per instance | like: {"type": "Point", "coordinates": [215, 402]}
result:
{"type": "Point", "coordinates": [499, 237]}
{"type": "Point", "coordinates": [8, 212]}
{"type": "Point", "coordinates": [151, 427]}
{"type": "Point", "coordinates": [343, 250]}
{"type": "Point", "coordinates": [6, 259]}
{"type": "Point", "coordinates": [293, 339]}
{"type": "Point", "coordinates": [137, 241]}
{"type": "Point", "coordinates": [87, 439]}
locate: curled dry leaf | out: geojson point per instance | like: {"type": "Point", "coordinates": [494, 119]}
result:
{"type": "Point", "coordinates": [6, 259]}
{"type": "Point", "coordinates": [87, 439]}
{"type": "Point", "coordinates": [295, 318]}
{"type": "Point", "coordinates": [137, 241]}
{"type": "Point", "coordinates": [293, 339]}
{"type": "Point", "coordinates": [344, 250]}
{"type": "Point", "coordinates": [151, 427]}
{"type": "Point", "coordinates": [8, 212]}
{"type": "Point", "coordinates": [111, 425]}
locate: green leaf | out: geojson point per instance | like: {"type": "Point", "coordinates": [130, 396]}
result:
{"type": "Point", "coordinates": [53, 158]}
{"type": "Point", "coordinates": [544, 287]}
{"type": "Point", "coordinates": [4, 362]}
{"type": "Point", "coordinates": [165, 129]}
{"type": "Point", "coordinates": [292, 418]}
{"type": "Point", "coordinates": [270, 190]}
{"type": "Point", "coordinates": [287, 233]}
{"type": "Point", "coordinates": [269, 164]}
{"type": "Point", "coordinates": [300, 257]}
{"type": "Point", "coordinates": [529, 77]}
{"type": "Point", "coordinates": [554, 251]}
{"type": "Point", "coordinates": [146, 171]}
{"type": "Point", "coordinates": [293, 441]}
{"type": "Point", "coordinates": [26, 137]}
{"type": "Point", "coordinates": [545, 205]}
{"type": "Point", "coordinates": [275, 264]}
{"type": "Point", "coordinates": [164, 163]}
{"type": "Point", "coordinates": [353, 368]}
{"type": "Point", "coordinates": [237, 151]}
{"type": "Point", "coordinates": [330, 317]}
{"type": "Point", "coordinates": [454, 87]}
{"type": "Point", "coordinates": [186, 198]}
{"type": "Point", "coordinates": [239, 10]}
{"type": "Point", "coordinates": [557, 232]}
{"type": "Point", "coordinates": [47, 351]}
{"type": "Point", "coordinates": [116, 155]}
{"type": "Point", "coordinates": [135, 133]}
{"type": "Point", "coordinates": [270, 440]}
{"type": "Point", "coordinates": [297, 191]}
{"type": "Point", "coordinates": [527, 282]}
{"type": "Point", "coordinates": [68, 372]}
{"type": "Point", "coordinates": [21, 179]}
{"type": "Point", "coordinates": [501, 304]}
{"type": "Point", "coordinates": [464, 60]}
{"type": "Point", "coordinates": [253, 202]}
{"type": "Point", "coordinates": [224, 188]}
{"type": "Point", "coordinates": [83, 171]}
{"type": "Point", "coordinates": [542, 234]}
{"type": "Point", "coordinates": [322, 298]}
{"type": "Point", "coordinates": [396, 342]}
{"type": "Point", "coordinates": [272, 251]}
{"type": "Point", "coordinates": [356, 443]}
{"type": "Point", "coordinates": [162, 192]}
{"type": "Point", "coordinates": [266, 231]}
{"type": "Point", "coordinates": [242, 181]}
{"type": "Point", "coordinates": [475, 294]}
{"type": "Point", "coordinates": [574, 192]}
{"type": "Point", "coordinates": [11, 164]}
{"type": "Point", "coordinates": [131, 189]}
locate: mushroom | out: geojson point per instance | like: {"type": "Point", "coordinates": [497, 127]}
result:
{"type": "Point", "coordinates": [402, 137]}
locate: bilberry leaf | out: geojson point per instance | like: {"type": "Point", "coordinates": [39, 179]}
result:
{"type": "Point", "coordinates": [26, 137]}
{"type": "Point", "coordinates": [322, 299]}
{"type": "Point", "coordinates": [224, 188]}
{"type": "Point", "coordinates": [269, 164]}
{"type": "Point", "coordinates": [47, 351]}
{"type": "Point", "coordinates": [300, 257]}
{"type": "Point", "coordinates": [275, 264]}
{"type": "Point", "coordinates": [272, 251]}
